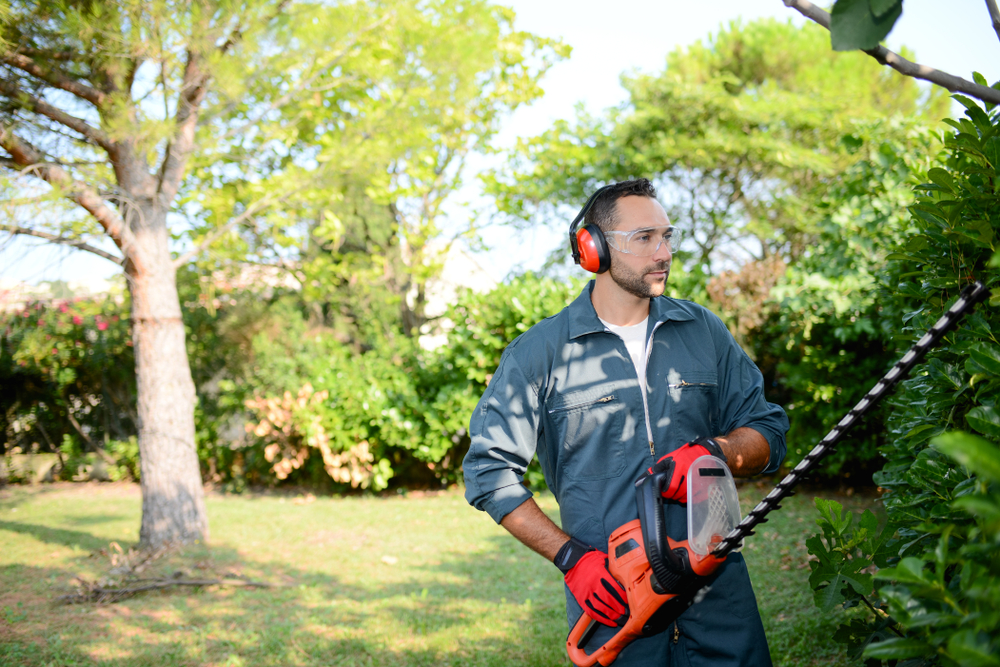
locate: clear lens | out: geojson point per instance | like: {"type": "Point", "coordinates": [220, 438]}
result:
{"type": "Point", "coordinates": [645, 242]}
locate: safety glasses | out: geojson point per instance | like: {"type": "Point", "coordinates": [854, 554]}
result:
{"type": "Point", "coordinates": [644, 242]}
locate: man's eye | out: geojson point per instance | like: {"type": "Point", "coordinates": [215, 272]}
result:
{"type": "Point", "coordinates": [642, 238]}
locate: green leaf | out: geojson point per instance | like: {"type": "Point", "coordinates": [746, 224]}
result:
{"type": "Point", "coordinates": [985, 508]}
{"type": "Point", "coordinates": [979, 231]}
{"type": "Point", "coordinates": [828, 596]}
{"type": "Point", "coordinates": [980, 79]}
{"type": "Point", "coordinates": [987, 355]}
{"type": "Point", "coordinates": [943, 178]}
{"type": "Point", "coordinates": [978, 455]}
{"type": "Point", "coordinates": [929, 470]}
{"type": "Point", "coordinates": [833, 515]}
{"type": "Point", "coordinates": [973, 649]}
{"type": "Point", "coordinates": [992, 152]}
{"type": "Point", "coordinates": [925, 431]}
{"type": "Point", "coordinates": [899, 648]}
{"type": "Point", "coordinates": [909, 571]}
{"type": "Point", "coordinates": [979, 117]}
{"type": "Point", "coordinates": [984, 419]}
{"type": "Point", "coordinates": [917, 243]}
{"type": "Point", "coordinates": [952, 122]}
{"type": "Point", "coordinates": [931, 214]}
{"type": "Point", "coordinates": [881, 7]}
{"type": "Point", "coordinates": [965, 101]}
{"type": "Point", "coordinates": [853, 25]}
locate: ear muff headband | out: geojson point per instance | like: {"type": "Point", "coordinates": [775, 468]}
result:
{"type": "Point", "coordinates": [588, 245]}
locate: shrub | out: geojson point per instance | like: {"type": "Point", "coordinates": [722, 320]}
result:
{"type": "Point", "coordinates": [934, 598]}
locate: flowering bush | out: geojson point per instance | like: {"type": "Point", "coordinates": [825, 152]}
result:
{"type": "Point", "coordinates": [66, 370]}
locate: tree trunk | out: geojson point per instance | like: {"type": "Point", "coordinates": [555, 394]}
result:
{"type": "Point", "coordinates": [173, 504]}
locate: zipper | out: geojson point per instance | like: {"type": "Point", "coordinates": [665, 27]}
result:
{"type": "Point", "coordinates": [645, 380]}
{"type": "Point", "coordinates": [677, 632]}
{"type": "Point", "coordinates": [682, 383]}
{"type": "Point", "coordinates": [606, 399]}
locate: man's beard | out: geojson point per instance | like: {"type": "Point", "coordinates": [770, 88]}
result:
{"type": "Point", "coordinates": [633, 282]}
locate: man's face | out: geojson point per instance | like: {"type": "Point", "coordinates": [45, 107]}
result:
{"type": "Point", "coordinates": [644, 277]}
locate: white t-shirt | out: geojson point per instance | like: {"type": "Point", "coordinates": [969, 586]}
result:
{"type": "Point", "coordinates": [635, 342]}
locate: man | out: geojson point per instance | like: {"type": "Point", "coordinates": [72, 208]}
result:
{"type": "Point", "coordinates": [620, 381]}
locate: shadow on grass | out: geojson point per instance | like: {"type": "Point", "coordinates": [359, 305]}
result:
{"type": "Point", "coordinates": [499, 606]}
{"type": "Point", "coordinates": [61, 536]}
{"type": "Point", "coordinates": [316, 619]}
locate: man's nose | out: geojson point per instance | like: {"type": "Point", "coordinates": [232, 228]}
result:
{"type": "Point", "coordinates": [662, 253]}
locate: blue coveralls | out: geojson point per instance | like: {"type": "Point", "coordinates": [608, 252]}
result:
{"type": "Point", "coordinates": [568, 389]}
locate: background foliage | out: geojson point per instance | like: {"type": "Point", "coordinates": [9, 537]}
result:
{"type": "Point", "coordinates": [787, 163]}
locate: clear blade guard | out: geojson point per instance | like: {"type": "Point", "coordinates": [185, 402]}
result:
{"type": "Point", "coordinates": [713, 510]}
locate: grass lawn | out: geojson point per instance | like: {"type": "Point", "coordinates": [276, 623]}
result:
{"type": "Point", "coordinates": [414, 580]}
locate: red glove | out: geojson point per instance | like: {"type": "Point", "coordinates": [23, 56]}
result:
{"type": "Point", "coordinates": [677, 463]}
{"type": "Point", "coordinates": [588, 579]}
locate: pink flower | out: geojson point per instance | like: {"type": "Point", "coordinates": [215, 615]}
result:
{"type": "Point", "coordinates": [41, 323]}
{"type": "Point", "coordinates": [63, 308]}
{"type": "Point", "coordinates": [55, 351]}
{"type": "Point", "coordinates": [77, 320]}
{"type": "Point", "coordinates": [101, 326]}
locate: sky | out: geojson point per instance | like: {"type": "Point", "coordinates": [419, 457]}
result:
{"type": "Point", "coordinates": [955, 36]}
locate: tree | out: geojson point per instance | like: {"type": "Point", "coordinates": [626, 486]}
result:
{"type": "Point", "coordinates": [743, 133]}
{"type": "Point", "coordinates": [220, 124]}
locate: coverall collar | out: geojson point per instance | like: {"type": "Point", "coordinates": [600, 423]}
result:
{"type": "Point", "coordinates": [583, 318]}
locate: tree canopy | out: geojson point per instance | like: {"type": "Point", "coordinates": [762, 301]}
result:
{"type": "Point", "coordinates": [252, 132]}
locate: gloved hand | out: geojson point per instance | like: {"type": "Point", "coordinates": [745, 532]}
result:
{"type": "Point", "coordinates": [586, 573]}
{"type": "Point", "coordinates": [676, 464]}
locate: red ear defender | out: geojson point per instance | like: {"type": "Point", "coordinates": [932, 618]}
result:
{"type": "Point", "coordinates": [588, 245]}
{"type": "Point", "coordinates": [593, 247]}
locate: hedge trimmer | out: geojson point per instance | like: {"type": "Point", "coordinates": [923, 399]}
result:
{"type": "Point", "coordinates": [663, 577]}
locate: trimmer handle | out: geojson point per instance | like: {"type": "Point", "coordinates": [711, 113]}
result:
{"type": "Point", "coordinates": [668, 567]}
{"type": "Point", "coordinates": [578, 637]}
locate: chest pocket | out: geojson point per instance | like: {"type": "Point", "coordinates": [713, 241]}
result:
{"type": "Point", "coordinates": [589, 427]}
{"type": "Point", "coordinates": [694, 403]}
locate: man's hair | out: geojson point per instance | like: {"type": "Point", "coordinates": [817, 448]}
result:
{"type": "Point", "coordinates": [604, 211]}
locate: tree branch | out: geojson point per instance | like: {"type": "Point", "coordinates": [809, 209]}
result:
{"type": "Point", "coordinates": [62, 240]}
{"type": "Point", "coordinates": [57, 79]}
{"type": "Point", "coordinates": [21, 99]}
{"type": "Point", "coordinates": [93, 592]}
{"type": "Point", "coordinates": [897, 62]}
{"type": "Point", "coordinates": [192, 94]}
{"type": "Point", "coordinates": [49, 55]}
{"type": "Point", "coordinates": [28, 158]}
{"type": "Point", "coordinates": [991, 5]}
